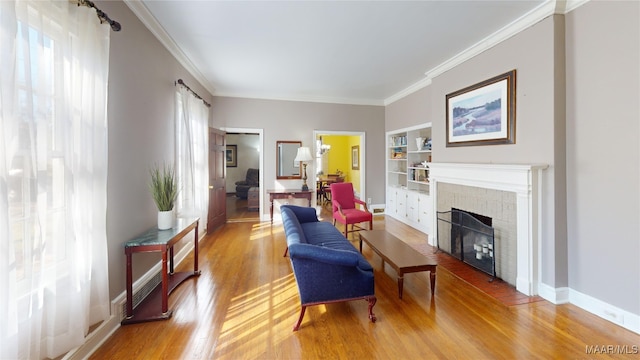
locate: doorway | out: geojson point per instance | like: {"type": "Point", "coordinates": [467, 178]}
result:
{"type": "Point", "coordinates": [342, 151]}
{"type": "Point", "coordinates": [246, 146]}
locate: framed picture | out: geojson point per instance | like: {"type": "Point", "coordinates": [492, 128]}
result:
{"type": "Point", "coordinates": [484, 113]}
{"type": "Point", "coordinates": [232, 156]}
{"type": "Point", "coordinates": [355, 157]}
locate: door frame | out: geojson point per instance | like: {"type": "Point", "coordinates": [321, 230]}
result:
{"type": "Point", "coordinates": [260, 132]}
{"type": "Point", "coordinates": [363, 155]}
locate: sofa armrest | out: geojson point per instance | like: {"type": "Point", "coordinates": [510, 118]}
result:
{"type": "Point", "coordinates": [303, 214]}
{"type": "Point", "coordinates": [324, 255]}
{"type": "Point", "coordinates": [242, 182]}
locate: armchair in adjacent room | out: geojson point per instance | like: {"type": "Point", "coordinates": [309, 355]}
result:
{"type": "Point", "coordinates": [252, 180]}
{"type": "Point", "coordinates": [345, 211]}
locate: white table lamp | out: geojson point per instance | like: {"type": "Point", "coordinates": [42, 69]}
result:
{"type": "Point", "coordinates": [304, 156]}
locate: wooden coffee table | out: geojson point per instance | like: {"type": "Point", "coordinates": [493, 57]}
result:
{"type": "Point", "coordinates": [401, 257]}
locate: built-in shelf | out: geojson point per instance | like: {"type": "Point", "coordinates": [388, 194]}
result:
{"type": "Point", "coordinates": [407, 178]}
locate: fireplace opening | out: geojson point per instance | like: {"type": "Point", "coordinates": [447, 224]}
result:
{"type": "Point", "coordinates": [468, 237]}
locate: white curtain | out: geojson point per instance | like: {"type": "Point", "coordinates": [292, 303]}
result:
{"type": "Point", "coordinates": [53, 170]}
{"type": "Point", "coordinates": [192, 134]}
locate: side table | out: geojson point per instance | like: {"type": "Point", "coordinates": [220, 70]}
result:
{"type": "Point", "coordinates": [287, 194]}
{"type": "Point", "coordinates": [154, 240]}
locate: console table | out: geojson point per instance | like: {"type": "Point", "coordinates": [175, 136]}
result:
{"type": "Point", "coordinates": [287, 194]}
{"type": "Point", "coordinates": [154, 240]}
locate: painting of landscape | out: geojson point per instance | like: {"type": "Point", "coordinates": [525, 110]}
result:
{"type": "Point", "coordinates": [483, 113]}
{"type": "Point", "coordinates": [479, 114]}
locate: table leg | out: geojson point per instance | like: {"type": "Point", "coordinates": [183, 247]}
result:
{"type": "Point", "coordinates": [309, 199]}
{"type": "Point", "coordinates": [432, 275]}
{"type": "Point", "coordinates": [171, 260]}
{"type": "Point", "coordinates": [165, 284]}
{"type": "Point", "coordinates": [195, 251]}
{"type": "Point", "coordinates": [271, 210]}
{"type": "Point", "coordinates": [400, 285]}
{"type": "Point", "coordinates": [129, 287]}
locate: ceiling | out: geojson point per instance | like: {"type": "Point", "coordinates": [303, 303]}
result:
{"type": "Point", "coordinates": [357, 52]}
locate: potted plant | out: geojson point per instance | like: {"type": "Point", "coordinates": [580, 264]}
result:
{"type": "Point", "coordinates": [164, 189]}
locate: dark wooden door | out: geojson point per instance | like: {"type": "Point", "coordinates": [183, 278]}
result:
{"type": "Point", "coordinates": [217, 215]}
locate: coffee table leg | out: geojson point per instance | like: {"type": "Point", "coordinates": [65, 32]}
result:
{"type": "Point", "coordinates": [432, 275]}
{"type": "Point", "coordinates": [400, 285]}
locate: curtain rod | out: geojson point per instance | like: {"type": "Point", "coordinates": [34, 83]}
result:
{"type": "Point", "coordinates": [193, 92]}
{"type": "Point", "coordinates": [115, 26]}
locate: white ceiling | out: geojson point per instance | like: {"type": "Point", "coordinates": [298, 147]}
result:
{"type": "Point", "coordinates": [359, 52]}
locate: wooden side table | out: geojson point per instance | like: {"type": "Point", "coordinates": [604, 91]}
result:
{"type": "Point", "coordinates": [154, 240]}
{"type": "Point", "coordinates": [287, 194]}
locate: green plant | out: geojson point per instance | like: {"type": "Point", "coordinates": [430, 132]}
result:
{"type": "Point", "coordinates": [164, 186]}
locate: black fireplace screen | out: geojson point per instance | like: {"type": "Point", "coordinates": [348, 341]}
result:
{"type": "Point", "coordinates": [467, 238]}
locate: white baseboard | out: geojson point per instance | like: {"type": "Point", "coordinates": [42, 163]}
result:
{"type": "Point", "coordinates": [626, 319]}
{"type": "Point", "coordinates": [554, 295]}
{"type": "Point", "coordinates": [623, 318]}
{"type": "Point", "coordinates": [376, 209]}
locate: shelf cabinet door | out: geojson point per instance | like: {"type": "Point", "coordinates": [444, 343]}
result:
{"type": "Point", "coordinates": [424, 212]}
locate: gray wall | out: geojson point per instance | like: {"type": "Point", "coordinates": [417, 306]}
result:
{"type": "Point", "coordinates": [290, 120]}
{"type": "Point", "coordinates": [579, 114]}
{"type": "Point", "coordinates": [603, 156]}
{"type": "Point", "coordinates": [141, 113]}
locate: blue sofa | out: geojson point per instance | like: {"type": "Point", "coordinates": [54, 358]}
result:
{"type": "Point", "coordinates": [326, 266]}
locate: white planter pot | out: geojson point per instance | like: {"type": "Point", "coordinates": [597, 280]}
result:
{"type": "Point", "coordinates": [165, 220]}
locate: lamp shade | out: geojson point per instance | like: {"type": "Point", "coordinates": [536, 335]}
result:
{"type": "Point", "coordinates": [304, 154]}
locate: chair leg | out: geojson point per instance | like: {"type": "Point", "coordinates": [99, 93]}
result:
{"type": "Point", "coordinates": [371, 225]}
{"type": "Point", "coordinates": [285, 251]}
{"type": "Point", "coordinates": [304, 308]}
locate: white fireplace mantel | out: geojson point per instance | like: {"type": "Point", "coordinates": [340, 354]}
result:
{"type": "Point", "coordinates": [523, 179]}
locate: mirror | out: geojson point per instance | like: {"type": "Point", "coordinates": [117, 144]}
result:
{"type": "Point", "coordinates": [286, 152]}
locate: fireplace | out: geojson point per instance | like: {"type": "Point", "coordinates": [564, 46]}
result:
{"type": "Point", "coordinates": [469, 237]}
{"type": "Point", "coordinates": [511, 195]}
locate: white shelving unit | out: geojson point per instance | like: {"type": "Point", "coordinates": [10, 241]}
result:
{"type": "Point", "coordinates": [407, 171]}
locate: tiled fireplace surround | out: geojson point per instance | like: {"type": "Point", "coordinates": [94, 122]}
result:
{"type": "Point", "coordinates": [510, 195]}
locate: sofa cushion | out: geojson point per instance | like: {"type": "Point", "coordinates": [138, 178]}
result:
{"type": "Point", "coordinates": [326, 235]}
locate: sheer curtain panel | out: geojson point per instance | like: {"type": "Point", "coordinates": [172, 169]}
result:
{"type": "Point", "coordinates": [53, 171]}
{"type": "Point", "coordinates": [192, 131]}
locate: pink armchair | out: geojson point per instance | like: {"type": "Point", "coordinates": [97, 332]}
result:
{"type": "Point", "coordinates": [343, 202]}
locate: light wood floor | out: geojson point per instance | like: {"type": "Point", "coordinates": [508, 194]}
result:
{"type": "Point", "coordinates": [245, 304]}
{"type": "Point", "coordinates": [237, 210]}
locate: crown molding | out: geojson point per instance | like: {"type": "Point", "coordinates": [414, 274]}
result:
{"type": "Point", "coordinates": [410, 90]}
{"type": "Point", "coordinates": [529, 19]}
{"type": "Point", "coordinates": [544, 10]}
{"type": "Point", "coordinates": [150, 22]}
{"type": "Point", "coordinates": [314, 99]}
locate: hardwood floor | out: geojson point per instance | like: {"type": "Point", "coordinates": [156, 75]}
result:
{"type": "Point", "coordinates": [237, 210]}
{"type": "Point", "coordinates": [245, 304]}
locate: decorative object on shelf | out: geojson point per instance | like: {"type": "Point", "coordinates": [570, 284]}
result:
{"type": "Point", "coordinates": [164, 189]}
{"type": "Point", "coordinates": [232, 155]}
{"type": "Point", "coordinates": [355, 157]}
{"type": "Point", "coordinates": [483, 113]}
{"type": "Point", "coordinates": [304, 156]}
{"type": "Point", "coordinates": [427, 144]}
{"type": "Point", "coordinates": [420, 143]}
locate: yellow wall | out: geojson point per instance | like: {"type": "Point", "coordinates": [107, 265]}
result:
{"type": "Point", "coordinates": [340, 157]}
